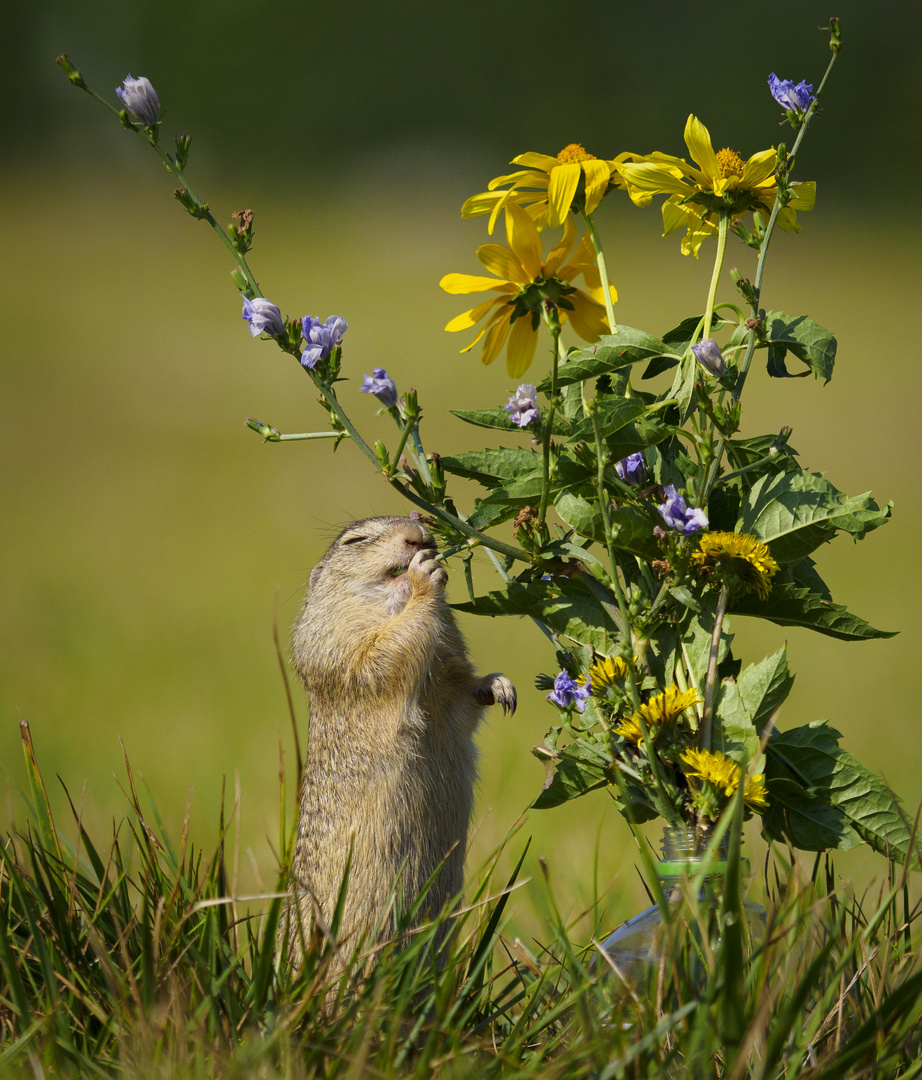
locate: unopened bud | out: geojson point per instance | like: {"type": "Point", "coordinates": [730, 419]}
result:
{"type": "Point", "coordinates": [64, 63]}
{"type": "Point", "coordinates": [709, 356]}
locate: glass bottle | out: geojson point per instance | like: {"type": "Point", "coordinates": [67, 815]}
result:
{"type": "Point", "coordinates": [636, 946]}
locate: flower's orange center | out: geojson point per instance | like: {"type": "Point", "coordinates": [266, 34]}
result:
{"type": "Point", "coordinates": [574, 152]}
{"type": "Point", "coordinates": [730, 163]}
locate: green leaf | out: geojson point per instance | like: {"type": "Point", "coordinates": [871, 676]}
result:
{"type": "Point", "coordinates": [493, 467]}
{"type": "Point", "coordinates": [677, 342]}
{"type": "Point", "coordinates": [809, 342]}
{"type": "Point", "coordinates": [795, 512]}
{"type": "Point", "coordinates": [821, 797]}
{"type": "Point", "coordinates": [572, 771]}
{"type": "Point", "coordinates": [573, 612]}
{"type": "Point", "coordinates": [500, 420]}
{"type": "Point", "coordinates": [745, 706]}
{"type": "Point", "coordinates": [696, 641]}
{"type": "Point", "coordinates": [632, 531]}
{"type": "Point", "coordinates": [582, 516]}
{"type": "Point", "coordinates": [613, 351]}
{"type": "Point", "coordinates": [792, 604]}
{"type": "Point", "coordinates": [614, 415]}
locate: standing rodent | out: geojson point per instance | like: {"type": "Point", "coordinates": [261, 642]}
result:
{"type": "Point", "coordinates": [394, 703]}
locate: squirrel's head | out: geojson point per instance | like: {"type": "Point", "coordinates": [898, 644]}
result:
{"type": "Point", "coordinates": [371, 557]}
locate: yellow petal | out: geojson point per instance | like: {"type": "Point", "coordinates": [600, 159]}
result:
{"type": "Point", "coordinates": [647, 178]}
{"type": "Point", "coordinates": [525, 241]}
{"type": "Point", "coordinates": [494, 341]}
{"type": "Point", "coordinates": [466, 320]}
{"type": "Point", "coordinates": [561, 250]}
{"type": "Point", "coordinates": [804, 195]}
{"type": "Point", "coordinates": [698, 141]}
{"type": "Point", "coordinates": [561, 189]}
{"type": "Point", "coordinates": [523, 178]}
{"type": "Point", "coordinates": [598, 173]}
{"type": "Point", "coordinates": [544, 162]}
{"type": "Point", "coordinates": [759, 168]}
{"type": "Point", "coordinates": [468, 283]}
{"type": "Point", "coordinates": [501, 261]}
{"type": "Point", "coordinates": [698, 232]}
{"type": "Point", "coordinates": [587, 317]}
{"type": "Point", "coordinates": [521, 348]}
{"type": "Point", "coordinates": [676, 216]}
{"type": "Point", "coordinates": [584, 256]}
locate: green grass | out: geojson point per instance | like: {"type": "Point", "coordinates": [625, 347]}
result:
{"type": "Point", "coordinates": [135, 957]}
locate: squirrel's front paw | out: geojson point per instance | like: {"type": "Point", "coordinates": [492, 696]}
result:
{"type": "Point", "coordinates": [496, 689]}
{"type": "Point", "coordinates": [425, 573]}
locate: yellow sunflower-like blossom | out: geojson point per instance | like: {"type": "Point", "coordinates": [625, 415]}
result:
{"type": "Point", "coordinates": [722, 773]}
{"type": "Point", "coordinates": [661, 711]}
{"type": "Point", "coordinates": [738, 560]}
{"type": "Point", "coordinates": [721, 181]}
{"type": "Point", "coordinates": [524, 282]}
{"type": "Point", "coordinates": [547, 186]}
{"type": "Point", "coordinates": [607, 671]}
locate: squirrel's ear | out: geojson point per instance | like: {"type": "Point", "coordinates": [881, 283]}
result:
{"type": "Point", "coordinates": [312, 580]}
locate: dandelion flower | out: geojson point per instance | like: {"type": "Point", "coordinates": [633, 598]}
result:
{"type": "Point", "coordinates": [738, 560]}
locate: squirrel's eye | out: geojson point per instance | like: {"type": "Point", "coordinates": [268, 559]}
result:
{"type": "Point", "coordinates": [355, 539]}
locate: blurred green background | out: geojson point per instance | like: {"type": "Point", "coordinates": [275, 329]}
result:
{"type": "Point", "coordinates": [150, 542]}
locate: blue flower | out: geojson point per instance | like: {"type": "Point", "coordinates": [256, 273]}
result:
{"type": "Point", "coordinates": [263, 317]}
{"type": "Point", "coordinates": [383, 387]}
{"type": "Point", "coordinates": [677, 514]}
{"type": "Point", "coordinates": [321, 338]}
{"type": "Point", "coordinates": [709, 356]}
{"type": "Point", "coordinates": [567, 692]}
{"type": "Point", "coordinates": [796, 99]}
{"type": "Point", "coordinates": [523, 405]}
{"type": "Point", "coordinates": [140, 99]}
{"type": "Point", "coordinates": [632, 469]}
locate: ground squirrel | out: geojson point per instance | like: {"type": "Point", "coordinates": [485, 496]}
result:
{"type": "Point", "coordinates": [394, 703]}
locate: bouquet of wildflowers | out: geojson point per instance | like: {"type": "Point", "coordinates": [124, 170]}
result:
{"type": "Point", "coordinates": [630, 522]}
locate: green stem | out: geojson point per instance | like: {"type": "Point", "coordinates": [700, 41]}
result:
{"type": "Point", "coordinates": [723, 230]}
{"type": "Point", "coordinates": [601, 451]}
{"type": "Point", "coordinates": [710, 682]}
{"type": "Point", "coordinates": [404, 435]}
{"type": "Point", "coordinates": [436, 511]}
{"type": "Point", "coordinates": [746, 362]}
{"type": "Point", "coordinates": [554, 327]}
{"type": "Point", "coordinates": [603, 271]}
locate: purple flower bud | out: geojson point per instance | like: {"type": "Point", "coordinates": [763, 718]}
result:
{"type": "Point", "coordinates": [523, 406]}
{"type": "Point", "coordinates": [567, 692]}
{"type": "Point", "coordinates": [793, 98]}
{"type": "Point", "coordinates": [632, 469]}
{"type": "Point", "coordinates": [709, 356]}
{"type": "Point", "coordinates": [263, 317]}
{"type": "Point", "coordinates": [140, 99]}
{"type": "Point", "coordinates": [321, 338]}
{"type": "Point", "coordinates": [383, 387]}
{"type": "Point", "coordinates": [677, 515]}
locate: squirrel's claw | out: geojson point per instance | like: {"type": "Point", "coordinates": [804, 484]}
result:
{"type": "Point", "coordinates": [496, 689]}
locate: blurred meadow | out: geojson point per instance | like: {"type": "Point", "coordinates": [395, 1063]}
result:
{"type": "Point", "coordinates": [150, 542]}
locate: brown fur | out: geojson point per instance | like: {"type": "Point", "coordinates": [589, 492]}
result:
{"type": "Point", "coordinates": [394, 704]}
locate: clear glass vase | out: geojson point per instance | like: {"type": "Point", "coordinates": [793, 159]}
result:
{"type": "Point", "coordinates": [637, 946]}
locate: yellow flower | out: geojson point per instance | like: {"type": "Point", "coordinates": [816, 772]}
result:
{"type": "Point", "coordinates": [661, 711]}
{"type": "Point", "coordinates": [722, 181]}
{"type": "Point", "coordinates": [547, 186]}
{"type": "Point", "coordinates": [738, 560]}
{"type": "Point", "coordinates": [720, 772]}
{"type": "Point", "coordinates": [523, 283]}
{"type": "Point", "coordinates": [607, 671]}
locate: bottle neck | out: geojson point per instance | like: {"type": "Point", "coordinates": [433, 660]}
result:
{"type": "Point", "coordinates": [687, 852]}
